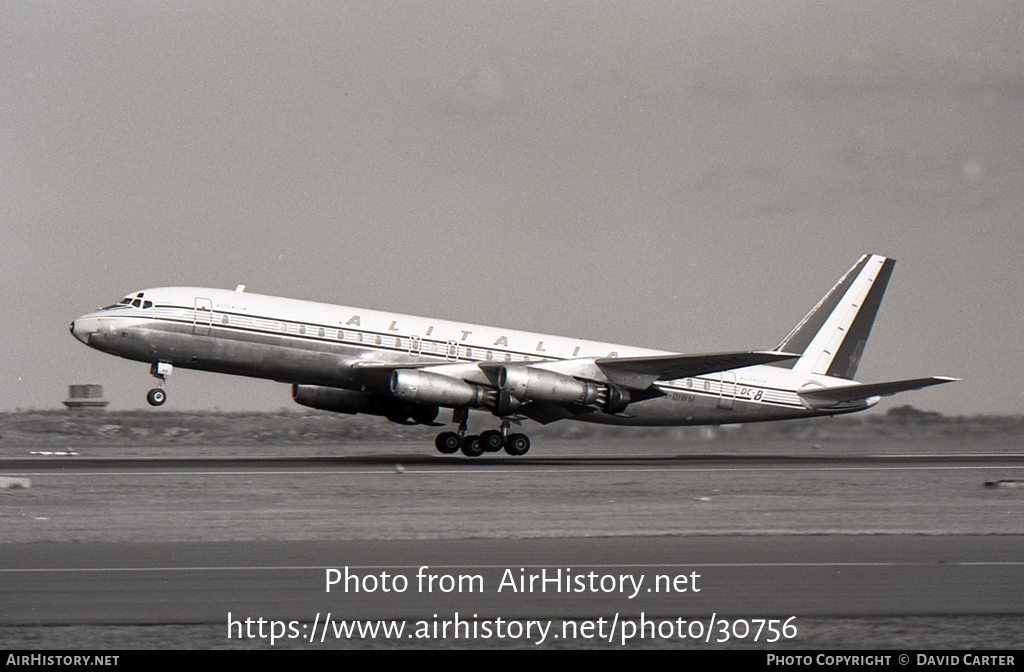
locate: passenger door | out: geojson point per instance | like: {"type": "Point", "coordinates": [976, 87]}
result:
{"type": "Point", "coordinates": [202, 317]}
{"type": "Point", "coordinates": [727, 392]}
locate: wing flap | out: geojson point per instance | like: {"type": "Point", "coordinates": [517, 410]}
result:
{"type": "Point", "coordinates": [824, 397]}
{"type": "Point", "coordinates": [545, 413]}
{"type": "Point", "coordinates": [640, 372]}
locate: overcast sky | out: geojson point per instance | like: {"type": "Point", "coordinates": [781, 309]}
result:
{"type": "Point", "coordinates": [683, 176]}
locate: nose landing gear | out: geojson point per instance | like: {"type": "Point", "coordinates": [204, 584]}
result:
{"type": "Point", "coordinates": [160, 371]}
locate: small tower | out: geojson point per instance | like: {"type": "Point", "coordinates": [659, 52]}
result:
{"type": "Point", "coordinates": [85, 397]}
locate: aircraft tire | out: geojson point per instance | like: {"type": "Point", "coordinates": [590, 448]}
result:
{"type": "Point", "coordinates": [447, 443]}
{"type": "Point", "coordinates": [156, 397]}
{"type": "Point", "coordinates": [492, 441]}
{"type": "Point", "coordinates": [472, 447]}
{"type": "Point", "coordinates": [517, 444]}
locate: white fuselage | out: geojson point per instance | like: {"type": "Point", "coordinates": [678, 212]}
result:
{"type": "Point", "coordinates": [308, 343]}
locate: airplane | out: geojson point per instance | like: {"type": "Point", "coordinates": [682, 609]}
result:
{"type": "Point", "coordinates": [406, 368]}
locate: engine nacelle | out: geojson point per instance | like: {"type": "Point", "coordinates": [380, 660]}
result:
{"type": "Point", "coordinates": [354, 401]}
{"type": "Point", "coordinates": [617, 400]}
{"type": "Point", "coordinates": [433, 388]}
{"type": "Point", "coordinates": [527, 382]}
{"type": "Point", "coordinates": [505, 404]}
{"type": "Point", "coordinates": [331, 399]}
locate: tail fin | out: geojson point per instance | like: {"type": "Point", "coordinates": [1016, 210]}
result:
{"type": "Point", "coordinates": [832, 336]}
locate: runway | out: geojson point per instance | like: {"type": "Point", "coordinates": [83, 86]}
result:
{"type": "Point", "coordinates": [392, 495]}
{"type": "Point", "coordinates": [119, 539]}
{"type": "Point", "coordinates": [431, 462]}
{"type": "Point", "coordinates": [731, 576]}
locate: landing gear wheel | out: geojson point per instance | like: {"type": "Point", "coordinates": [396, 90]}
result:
{"type": "Point", "coordinates": [518, 444]}
{"type": "Point", "coordinates": [156, 397]}
{"type": "Point", "coordinates": [447, 443]}
{"type": "Point", "coordinates": [492, 441]}
{"type": "Point", "coordinates": [472, 447]}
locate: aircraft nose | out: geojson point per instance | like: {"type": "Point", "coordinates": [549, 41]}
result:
{"type": "Point", "coordinates": [80, 330]}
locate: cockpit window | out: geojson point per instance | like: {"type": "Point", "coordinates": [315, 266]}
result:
{"type": "Point", "coordinates": [136, 301]}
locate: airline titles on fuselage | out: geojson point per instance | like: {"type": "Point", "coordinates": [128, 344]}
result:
{"type": "Point", "coordinates": [461, 350]}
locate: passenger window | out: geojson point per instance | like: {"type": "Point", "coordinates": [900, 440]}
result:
{"type": "Point", "coordinates": [321, 332]}
{"type": "Point", "coordinates": [377, 339]}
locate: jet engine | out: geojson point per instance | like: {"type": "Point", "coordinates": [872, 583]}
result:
{"type": "Point", "coordinates": [433, 388]}
{"type": "Point", "coordinates": [529, 383]}
{"type": "Point", "coordinates": [354, 401]}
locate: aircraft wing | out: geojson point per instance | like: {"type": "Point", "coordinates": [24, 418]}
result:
{"type": "Point", "coordinates": [374, 365]}
{"type": "Point", "coordinates": [545, 412]}
{"type": "Point", "coordinates": [831, 396]}
{"type": "Point", "coordinates": [639, 372]}
{"type": "Point", "coordinates": [376, 374]}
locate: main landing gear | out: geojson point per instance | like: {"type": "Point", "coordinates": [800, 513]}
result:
{"type": "Point", "coordinates": [160, 371]}
{"type": "Point", "coordinates": [490, 441]}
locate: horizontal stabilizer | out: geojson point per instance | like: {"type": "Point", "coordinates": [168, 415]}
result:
{"type": "Point", "coordinates": [640, 372]}
{"type": "Point", "coordinates": [830, 396]}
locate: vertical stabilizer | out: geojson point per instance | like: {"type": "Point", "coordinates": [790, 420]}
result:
{"type": "Point", "coordinates": [832, 336]}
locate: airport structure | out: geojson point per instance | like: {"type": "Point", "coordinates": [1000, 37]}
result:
{"type": "Point", "coordinates": [85, 397]}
